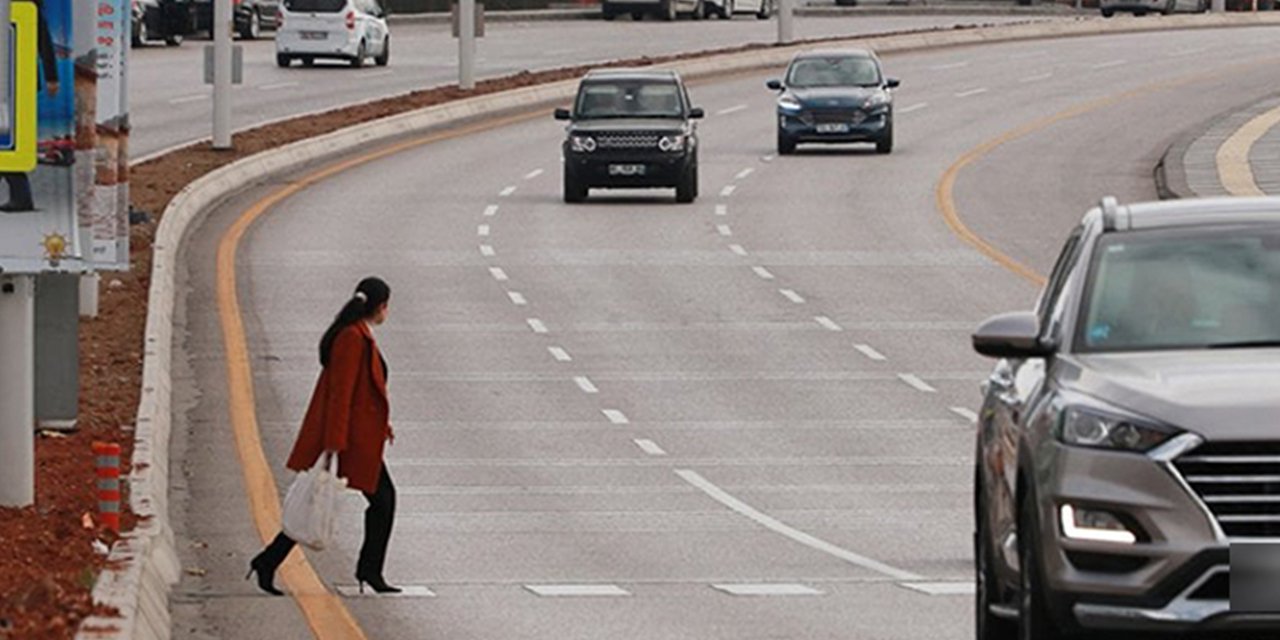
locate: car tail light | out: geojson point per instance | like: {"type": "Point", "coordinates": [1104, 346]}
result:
{"type": "Point", "coordinates": [351, 21]}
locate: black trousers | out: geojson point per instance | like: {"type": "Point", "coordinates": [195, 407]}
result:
{"type": "Point", "coordinates": [19, 190]}
{"type": "Point", "coordinates": [378, 519]}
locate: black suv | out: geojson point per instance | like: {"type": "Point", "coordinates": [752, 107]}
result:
{"type": "Point", "coordinates": [631, 129]}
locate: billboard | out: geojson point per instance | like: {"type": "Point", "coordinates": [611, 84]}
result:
{"type": "Point", "coordinates": [69, 212]}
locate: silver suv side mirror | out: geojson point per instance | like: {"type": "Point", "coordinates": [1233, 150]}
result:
{"type": "Point", "coordinates": [1013, 336]}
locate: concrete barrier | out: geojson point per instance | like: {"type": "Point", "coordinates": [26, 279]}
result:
{"type": "Point", "coordinates": [144, 565]}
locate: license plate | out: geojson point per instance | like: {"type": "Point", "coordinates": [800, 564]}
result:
{"type": "Point", "coordinates": [839, 127]}
{"type": "Point", "coordinates": [626, 169]}
{"type": "Point", "coordinates": [315, 35]}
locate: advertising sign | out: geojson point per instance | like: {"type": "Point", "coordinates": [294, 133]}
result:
{"type": "Point", "coordinates": [64, 206]}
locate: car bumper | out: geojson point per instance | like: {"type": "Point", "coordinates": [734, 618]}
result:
{"type": "Point", "coordinates": [803, 129]}
{"type": "Point", "coordinates": [1172, 578]}
{"type": "Point", "coordinates": [291, 44]}
{"type": "Point", "coordinates": [660, 170]}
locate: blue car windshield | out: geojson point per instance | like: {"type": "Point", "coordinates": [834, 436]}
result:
{"type": "Point", "coordinates": [1184, 289]}
{"type": "Point", "coordinates": [630, 99]}
{"type": "Point", "coordinates": [810, 73]}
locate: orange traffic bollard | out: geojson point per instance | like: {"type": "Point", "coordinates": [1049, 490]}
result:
{"type": "Point", "coordinates": [108, 464]}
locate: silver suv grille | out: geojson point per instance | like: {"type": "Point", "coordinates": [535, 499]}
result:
{"type": "Point", "coordinates": [628, 141]}
{"type": "Point", "coordinates": [1240, 483]}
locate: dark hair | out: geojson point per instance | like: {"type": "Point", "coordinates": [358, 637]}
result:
{"type": "Point", "coordinates": [370, 294]}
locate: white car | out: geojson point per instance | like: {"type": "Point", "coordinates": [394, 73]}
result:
{"type": "Point", "coordinates": [1143, 7]}
{"type": "Point", "coordinates": [762, 9]}
{"type": "Point", "coordinates": [351, 30]}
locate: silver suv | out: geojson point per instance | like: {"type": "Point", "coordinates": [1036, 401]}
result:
{"type": "Point", "coordinates": [1128, 452]}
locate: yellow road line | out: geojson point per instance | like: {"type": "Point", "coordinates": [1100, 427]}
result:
{"type": "Point", "coordinates": [325, 613]}
{"type": "Point", "coordinates": [945, 193]}
{"type": "Point", "coordinates": [1234, 171]}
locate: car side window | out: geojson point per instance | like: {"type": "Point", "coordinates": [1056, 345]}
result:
{"type": "Point", "coordinates": [1047, 310]}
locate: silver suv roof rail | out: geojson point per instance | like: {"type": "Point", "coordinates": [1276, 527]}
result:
{"type": "Point", "coordinates": [1110, 213]}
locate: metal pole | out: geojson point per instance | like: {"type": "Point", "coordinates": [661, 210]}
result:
{"type": "Point", "coordinates": [5, 116]}
{"type": "Point", "coordinates": [222, 25]}
{"type": "Point", "coordinates": [17, 391]}
{"type": "Point", "coordinates": [1219, 6]}
{"type": "Point", "coordinates": [786, 30]}
{"type": "Point", "coordinates": [467, 44]}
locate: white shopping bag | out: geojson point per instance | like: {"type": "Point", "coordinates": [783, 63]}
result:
{"type": "Point", "coordinates": [311, 503]}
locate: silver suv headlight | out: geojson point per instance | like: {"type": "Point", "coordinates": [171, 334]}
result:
{"type": "Point", "coordinates": [582, 144]}
{"type": "Point", "coordinates": [1088, 427]}
{"type": "Point", "coordinates": [671, 143]}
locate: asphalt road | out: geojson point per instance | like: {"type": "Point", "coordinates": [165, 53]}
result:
{"type": "Point", "coordinates": [170, 105]}
{"type": "Point", "coordinates": [767, 387]}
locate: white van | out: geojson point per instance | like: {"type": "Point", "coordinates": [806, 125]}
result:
{"type": "Point", "coordinates": [351, 30]}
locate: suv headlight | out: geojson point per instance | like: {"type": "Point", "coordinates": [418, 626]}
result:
{"type": "Point", "coordinates": [582, 144]}
{"type": "Point", "coordinates": [671, 143]}
{"type": "Point", "coordinates": [1082, 427]}
{"type": "Point", "coordinates": [878, 99]}
{"type": "Point", "coordinates": [788, 103]}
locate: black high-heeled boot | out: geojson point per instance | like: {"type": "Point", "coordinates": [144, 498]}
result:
{"type": "Point", "coordinates": [266, 574]}
{"type": "Point", "coordinates": [377, 583]}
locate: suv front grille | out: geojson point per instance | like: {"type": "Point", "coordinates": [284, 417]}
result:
{"type": "Point", "coordinates": [1240, 483]}
{"type": "Point", "coordinates": [628, 140]}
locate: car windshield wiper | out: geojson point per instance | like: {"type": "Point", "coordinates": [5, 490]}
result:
{"type": "Point", "coordinates": [1246, 344]}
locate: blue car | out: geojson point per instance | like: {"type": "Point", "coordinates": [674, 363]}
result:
{"type": "Point", "coordinates": [835, 97]}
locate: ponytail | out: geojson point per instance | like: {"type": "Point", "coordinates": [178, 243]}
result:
{"type": "Point", "coordinates": [370, 294]}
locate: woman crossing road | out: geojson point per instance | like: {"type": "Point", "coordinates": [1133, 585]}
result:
{"type": "Point", "coordinates": [349, 417]}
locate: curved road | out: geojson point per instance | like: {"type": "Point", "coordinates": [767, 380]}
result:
{"type": "Point", "coordinates": [766, 389]}
{"type": "Point", "coordinates": [172, 106]}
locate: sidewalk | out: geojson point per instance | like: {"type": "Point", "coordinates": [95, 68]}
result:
{"type": "Point", "coordinates": [1234, 154]}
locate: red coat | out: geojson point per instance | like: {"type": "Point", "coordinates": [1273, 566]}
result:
{"type": "Point", "coordinates": [349, 411]}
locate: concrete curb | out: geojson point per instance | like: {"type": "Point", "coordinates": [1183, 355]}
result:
{"type": "Point", "coordinates": [144, 565]}
{"type": "Point", "coordinates": [1188, 168]}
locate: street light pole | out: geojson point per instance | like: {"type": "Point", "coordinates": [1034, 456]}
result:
{"type": "Point", "coordinates": [786, 30]}
{"type": "Point", "coordinates": [222, 26]}
{"type": "Point", "coordinates": [467, 44]}
{"type": "Point", "coordinates": [17, 391]}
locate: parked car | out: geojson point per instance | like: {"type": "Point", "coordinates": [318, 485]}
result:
{"type": "Point", "coordinates": [250, 16]}
{"type": "Point", "coordinates": [351, 30]}
{"type": "Point", "coordinates": [169, 21]}
{"type": "Point", "coordinates": [762, 9]}
{"type": "Point", "coordinates": [665, 9]}
{"type": "Point", "coordinates": [1143, 7]}
{"type": "Point", "coordinates": [1127, 447]}
{"type": "Point", "coordinates": [835, 97]}
{"type": "Point", "coordinates": [631, 129]}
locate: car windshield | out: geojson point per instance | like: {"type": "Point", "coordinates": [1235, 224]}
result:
{"type": "Point", "coordinates": [315, 6]}
{"type": "Point", "coordinates": [1161, 290]}
{"type": "Point", "coordinates": [637, 99]}
{"type": "Point", "coordinates": [833, 72]}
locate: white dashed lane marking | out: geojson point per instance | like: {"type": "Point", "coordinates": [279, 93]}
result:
{"type": "Point", "coordinates": [724, 230]}
{"type": "Point", "coordinates": [508, 191]}
{"type": "Point", "coordinates": [791, 295]}
{"type": "Point", "coordinates": [728, 191]}
{"type": "Point", "coordinates": [742, 175]}
{"type": "Point", "coordinates": [186, 99]}
{"type": "Point", "coordinates": [559, 354]}
{"type": "Point", "coordinates": [517, 298]}
{"type": "Point", "coordinates": [585, 384]}
{"type": "Point", "coordinates": [942, 588]}
{"type": "Point", "coordinates": [869, 352]}
{"type": "Point", "coordinates": [650, 447]}
{"type": "Point", "coordinates": [1037, 77]}
{"type": "Point", "coordinates": [498, 274]}
{"type": "Point", "coordinates": [722, 209]}
{"type": "Point", "coordinates": [537, 325]}
{"type": "Point", "coordinates": [828, 323]}
{"type": "Point", "coordinates": [767, 589]}
{"type": "Point", "coordinates": [278, 85]}
{"type": "Point", "coordinates": [615, 416]}
{"type": "Point", "coordinates": [533, 174]}
{"type": "Point", "coordinates": [968, 414]}
{"type": "Point", "coordinates": [971, 92]}
{"type": "Point", "coordinates": [1108, 65]}
{"type": "Point", "coordinates": [764, 520]}
{"type": "Point", "coordinates": [482, 231]}
{"type": "Point", "coordinates": [915, 381]}
{"type": "Point", "coordinates": [738, 249]}
{"type": "Point", "coordinates": [762, 272]}
{"type": "Point", "coordinates": [577, 590]}
{"type": "Point", "coordinates": [953, 65]}
{"type": "Point", "coordinates": [733, 109]}
{"type": "Point", "coordinates": [410, 591]}
{"type": "Point", "coordinates": [490, 211]}
{"type": "Point", "coordinates": [487, 251]}
{"type": "Point", "coordinates": [915, 107]}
